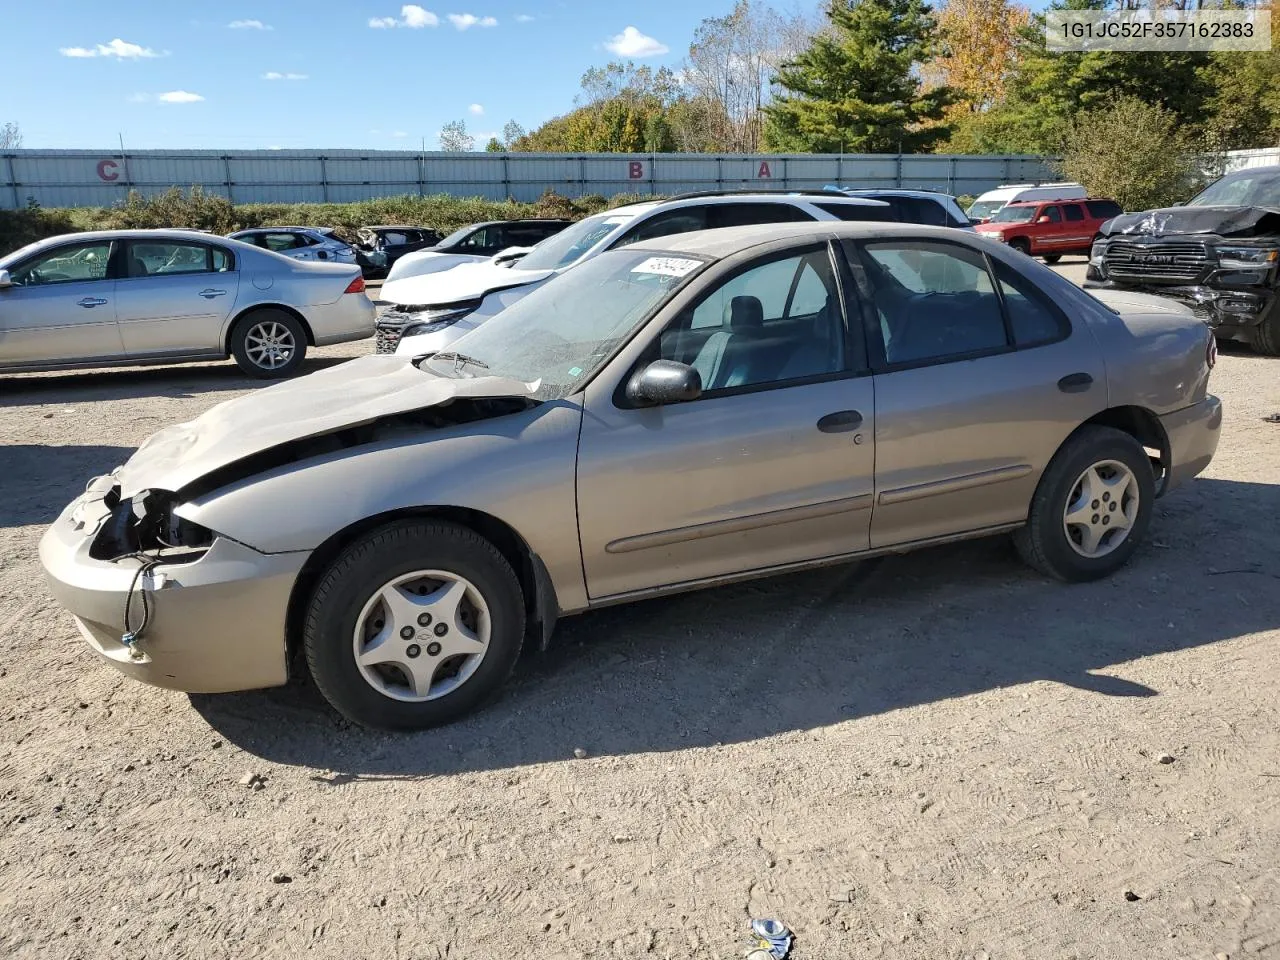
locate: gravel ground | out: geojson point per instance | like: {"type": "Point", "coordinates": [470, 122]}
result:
{"type": "Point", "coordinates": [934, 756]}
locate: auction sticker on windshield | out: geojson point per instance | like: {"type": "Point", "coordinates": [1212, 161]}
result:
{"type": "Point", "coordinates": [668, 266]}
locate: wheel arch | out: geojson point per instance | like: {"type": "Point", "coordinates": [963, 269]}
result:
{"type": "Point", "coordinates": [541, 605]}
{"type": "Point", "coordinates": [1145, 427]}
{"type": "Point", "coordinates": [249, 311]}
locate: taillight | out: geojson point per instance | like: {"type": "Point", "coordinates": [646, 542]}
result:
{"type": "Point", "coordinates": [1211, 351]}
{"type": "Point", "coordinates": [355, 286]}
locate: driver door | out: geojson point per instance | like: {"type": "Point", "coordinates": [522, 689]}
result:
{"type": "Point", "coordinates": [61, 308]}
{"type": "Point", "coordinates": [771, 465]}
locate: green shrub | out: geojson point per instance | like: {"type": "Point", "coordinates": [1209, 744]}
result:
{"type": "Point", "coordinates": [20, 227]}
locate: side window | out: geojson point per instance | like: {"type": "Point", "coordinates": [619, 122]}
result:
{"type": "Point", "coordinates": [222, 261]}
{"type": "Point", "coordinates": [279, 242]}
{"type": "Point", "coordinates": [920, 210]}
{"type": "Point", "coordinates": [148, 258]}
{"type": "Point", "coordinates": [395, 238]}
{"type": "Point", "coordinates": [1032, 316]}
{"type": "Point", "coordinates": [776, 322]}
{"type": "Point", "coordinates": [934, 302]}
{"type": "Point", "coordinates": [747, 214]}
{"type": "Point", "coordinates": [1050, 212]}
{"type": "Point", "coordinates": [1073, 212]}
{"type": "Point", "coordinates": [859, 211]}
{"type": "Point", "coordinates": [481, 239]}
{"type": "Point", "coordinates": [1103, 209]}
{"type": "Point", "coordinates": [682, 220]}
{"type": "Point", "coordinates": [74, 263]}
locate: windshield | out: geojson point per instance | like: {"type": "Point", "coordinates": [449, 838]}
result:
{"type": "Point", "coordinates": [1244, 190]}
{"type": "Point", "coordinates": [983, 209]}
{"type": "Point", "coordinates": [559, 334]}
{"type": "Point", "coordinates": [571, 243]}
{"type": "Point", "coordinates": [1012, 214]}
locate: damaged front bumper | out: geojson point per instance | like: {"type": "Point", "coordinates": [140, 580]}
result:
{"type": "Point", "coordinates": [216, 614]}
{"type": "Point", "coordinates": [1230, 312]}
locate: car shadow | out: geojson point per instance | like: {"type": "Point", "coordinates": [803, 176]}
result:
{"type": "Point", "coordinates": [804, 651]}
{"type": "Point", "coordinates": [122, 383]}
{"type": "Point", "coordinates": [37, 481]}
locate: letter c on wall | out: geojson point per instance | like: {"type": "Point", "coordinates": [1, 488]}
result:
{"type": "Point", "coordinates": [108, 170]}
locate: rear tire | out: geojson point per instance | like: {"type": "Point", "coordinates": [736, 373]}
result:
{"type": "Point", "coordinates": [1052, 258]}
{"type": "Point", "coordinates": [1067, 517]}
{"type": "Point", "coordinates": [426, 662]}
{"type": "Point", "coordinates": [269, 344]}
{"type": "Point", "coordinates": [1022, 246]}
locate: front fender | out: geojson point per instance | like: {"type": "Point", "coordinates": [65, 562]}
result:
{"type": "Point", "coordinates": [518, 468]}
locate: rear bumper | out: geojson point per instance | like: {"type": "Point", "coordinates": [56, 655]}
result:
{"type": "Point", "coordinates": [1193, 434]}
{"type": "Point", "coordinates": [350, 317]}
{"type": "Point", "coordinates": [216, 624]}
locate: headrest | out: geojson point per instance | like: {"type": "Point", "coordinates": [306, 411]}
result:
{"type": "Point", "coordinates": [744, 313]}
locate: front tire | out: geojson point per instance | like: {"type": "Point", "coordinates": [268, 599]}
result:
{"type": "Point", "coordinates": [1091, 508]}
{"type": "Point", "coordinates": [269, 344]}
{"type": "Point", "coordinates": [414, 625]}
{"type": "Point", "coordinates": [1266, 336]}
{"type": "Point", "coordinates": [1021, 245]}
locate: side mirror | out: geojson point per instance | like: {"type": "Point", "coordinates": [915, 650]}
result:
{"type": "Point", "coordinates": [665, 381]}
{"type": "Point", "coordinates": [1044, 219]}
{"type": "Point", "coordinates": [5, 279]}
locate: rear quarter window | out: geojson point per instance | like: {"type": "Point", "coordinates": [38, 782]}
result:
{"type": "Point", "coordinates": [1103, 209]}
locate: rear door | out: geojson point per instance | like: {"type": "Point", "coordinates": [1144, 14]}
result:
{"type": "Point", "coordinates": [979, 378]}
{"type": "Point", "coordinates": [174, 297]}
{"type": "Point", "coordinates": [61, 307]}
{"type": "Point", "coordinates": [1077, 231]}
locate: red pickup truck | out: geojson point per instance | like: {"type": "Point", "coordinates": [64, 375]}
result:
{"type": "Point", "coordinates": [1050, 228]}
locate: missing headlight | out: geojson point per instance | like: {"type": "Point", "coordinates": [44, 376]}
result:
{"type": "Point", "coordinates": [146, 524]}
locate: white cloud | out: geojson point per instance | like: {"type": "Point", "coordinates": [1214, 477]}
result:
{"type": "Point", "coordinates": [411, 15]}
{"type": "Point", "coordinates": [465, 21]}
{"type": "Point", "coordinates": [179, 96]}
{"type": "Point", "coordinates": [632, 43]}
{"type": "Point", "coordinates": [116, 48]}
{"type": "Point", "coordinates": [476, 108]}
{"type": "Point", "coordinates": [399, 134]}
{"type": "Point", "coordinates": [524, 18]}
{"type": "Point", "coordinates": [415, 17]}
{"type": "Point", "coordinates": [273, 75]}
{"type": "Point", "coordinates": [248, 25]}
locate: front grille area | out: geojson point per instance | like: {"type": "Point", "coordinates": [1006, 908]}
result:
{"type": "Point", "coordinates": [1168, 261]}
{"type": "Point", "coordinates": [386, 341]}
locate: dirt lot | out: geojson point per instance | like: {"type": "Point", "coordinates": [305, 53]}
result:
{"type": "Point", "coordinates": [935, 756]}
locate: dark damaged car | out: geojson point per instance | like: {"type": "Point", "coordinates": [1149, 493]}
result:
{"type": "Point", "coordinates": [1219, 254]}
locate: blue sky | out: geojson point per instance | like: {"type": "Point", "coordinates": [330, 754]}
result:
{"type": "Point", "coordinates": [313, 73]}
{"type": "Point", "coordinates": [367, 74]}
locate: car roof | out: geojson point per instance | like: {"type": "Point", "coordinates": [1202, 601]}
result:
{"type": "Point", "coordinates": [726, 241]}
{"type": "Point", "coordinates": [395, 226]}
{"type": "Point", "coordinates": [165, 234]}
{"type": "Point", "coordinates": [897, 192]}
{"type": "Point", "coordinates": [279, 229]}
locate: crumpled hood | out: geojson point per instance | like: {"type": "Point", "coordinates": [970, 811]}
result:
{"type": "Point", "coordinates": [421, 262]}
{"type": "Point", "coordinates": [346, 395]}
{"type": "Point", "coordinates": [466, 281]}
{"type": "Point", "coordinates": [1222, 221]}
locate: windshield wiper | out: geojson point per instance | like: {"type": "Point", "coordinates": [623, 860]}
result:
{"type": "Point", "coordinates": [459, 359]}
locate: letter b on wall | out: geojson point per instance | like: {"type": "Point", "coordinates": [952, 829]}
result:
{"type": "Point", "coordinates": [636, 170]}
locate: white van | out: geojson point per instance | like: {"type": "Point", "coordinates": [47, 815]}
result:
{"type": "Point", "coordinates": [987, 205]}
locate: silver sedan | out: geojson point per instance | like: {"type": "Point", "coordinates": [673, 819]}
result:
{"type": "Point", "coordinates": [132, 297]}
{"type": "Point", "coordinates": [687, 411]}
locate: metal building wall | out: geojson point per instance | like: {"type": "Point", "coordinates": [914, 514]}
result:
{"type": "Point", "coordinates": [90, 178]}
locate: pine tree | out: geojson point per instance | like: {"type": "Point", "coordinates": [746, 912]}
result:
{"type": "Point", "coordinates": [856, 89]}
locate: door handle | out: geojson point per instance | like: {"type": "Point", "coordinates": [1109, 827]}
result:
{"type": "Point", "coordinates": [1075, 383]}
{"type": "Point", "coordinates": [91, 302]}
{"type": "Point", "coordinates": [209, 294]}
{"type": "Point", "coordinates": [842, 421]}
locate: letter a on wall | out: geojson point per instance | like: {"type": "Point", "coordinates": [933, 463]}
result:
{"type": "Point", "coordinates": [764, 173]}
